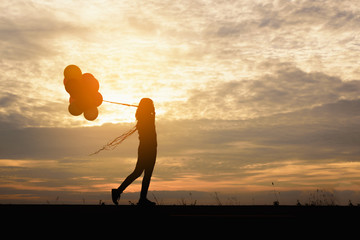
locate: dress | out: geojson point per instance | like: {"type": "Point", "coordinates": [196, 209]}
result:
{"type": "Point", "coordinates": [148, 142]}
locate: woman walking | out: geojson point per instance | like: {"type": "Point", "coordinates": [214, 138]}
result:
{"type": "Point", "coordinates": [145, 116]}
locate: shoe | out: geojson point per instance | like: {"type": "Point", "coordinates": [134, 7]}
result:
{"type": "Point", "coordinates": [115, 195]}
{"type": "Point", "coordinates": [145, 202]}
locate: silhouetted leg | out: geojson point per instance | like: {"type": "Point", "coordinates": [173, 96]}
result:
{"type": "Point", "coordinates": [146, 181]}
{"type": "Point", "coordinates": [134, 175]}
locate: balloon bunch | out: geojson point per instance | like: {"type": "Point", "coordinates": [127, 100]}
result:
{"type": "Point", "coordinates": [84, 92]}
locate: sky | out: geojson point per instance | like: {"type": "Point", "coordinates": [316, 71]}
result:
{"type": "Point", "coordinates": [256, 101]}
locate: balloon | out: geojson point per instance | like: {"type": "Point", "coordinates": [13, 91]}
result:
{"type": "Point", "coordinates": [81, 103]}
{"type": "Point", "coordinates": [74, 88]}
{"type": "Point", "coordinates": [74, 109]}
{"type": "Point", "coordinates": [90, 82]}
{"type": "Point", "coordinates": [72, 72]}
{"type": "Point", "coordinates": [84, 92]}
{"type": "Point", "coordinates": [91, 100]}
{"type": "Point", "coordinates": [98, 99]}
{"type": "Point", "coordinates": [91, 114]}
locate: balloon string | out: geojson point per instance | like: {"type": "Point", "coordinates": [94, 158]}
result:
{"type": "Point", "coordinates": [125, 104]}
{"type": "Point", "coordinates": [114, 143]}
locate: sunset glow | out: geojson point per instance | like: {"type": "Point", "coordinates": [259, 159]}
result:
{"type": "Point", "coordinates": [247, 93]}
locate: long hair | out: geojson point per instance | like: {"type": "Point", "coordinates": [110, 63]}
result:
{"type": "Point", "coordinates": [145, 110]}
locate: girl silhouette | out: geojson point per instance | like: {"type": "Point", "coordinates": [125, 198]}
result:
{"type": "Point", "coordinates": [145, 116]}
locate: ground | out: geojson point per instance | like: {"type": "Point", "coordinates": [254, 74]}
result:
{"type": "Point", "coordinates": [206, 219]}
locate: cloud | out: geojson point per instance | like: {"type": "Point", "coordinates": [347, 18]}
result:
{"type": "Point", "coordinates": [26, 34]}
{"type": "Point", "coordinates": [321, 133]}
{"type": "Point", "coordinates": [286, 89]}
{"type": "Point", "coordinates": [7, 99]}
{"type": "Point", "coordinates": [236, 83]}
{"type": "Point", "coordinates": [29, 45]}
{"type": "Point", "coordinates": [179, 47]}
{"type": "Point", "coordinates": [204, 155]}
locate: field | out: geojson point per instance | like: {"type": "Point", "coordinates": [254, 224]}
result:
{"type": "Point", "coordinates": [184, 217]}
